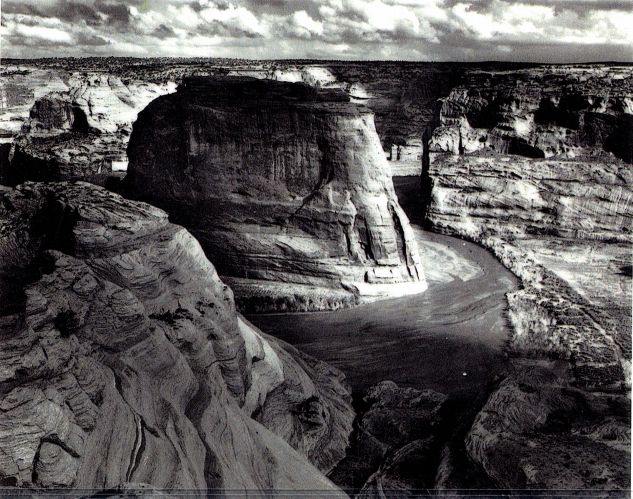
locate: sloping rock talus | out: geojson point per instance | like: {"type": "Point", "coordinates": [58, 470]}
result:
{"type": "Point", "coordinates": [123, 361]}
{"type": "Point", "coordinates": [285, 186]}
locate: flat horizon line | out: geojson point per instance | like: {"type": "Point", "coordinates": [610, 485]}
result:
{"type": "Point", "coordinates": [311, 60]}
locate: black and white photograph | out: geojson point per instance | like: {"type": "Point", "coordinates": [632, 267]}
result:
{"type": "Point", "coordinates": [307, 249]}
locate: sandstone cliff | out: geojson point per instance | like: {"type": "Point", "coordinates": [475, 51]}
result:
{"type": "Point", "coordinates": [79, 132]}
{"type": "Point", "coordinates": [532, 164]}
{"type": "Point", "coordinates": [540, 112]}
{"type": "Point", "coordinates": [286, 188]}
{"type": "Point", "coordinates": [563, 227]}
{"type": "Point", "coordinates": [95, 102]}
{"type": "Point", "coordinates": [123, 361]}
{"type": "Point", "coordinates": [562, 419]}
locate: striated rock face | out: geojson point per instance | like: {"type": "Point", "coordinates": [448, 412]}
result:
{"type": "Point", "coordinates": [286, 188]}
{"type": "Point", "coordinates": [534, 167]}
{"type": "Point", "coordinates": [20, 87]}
{"type": "Point", "coordinates": [563, 227]}
{"type": "Point", "coordinates": [123, 361]}
{"type": "Point", "coordinates": [540, 112]}
{"type": "Point", "coordinates": [98, 103]}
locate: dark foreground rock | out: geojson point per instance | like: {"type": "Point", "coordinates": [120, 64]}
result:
{"type": "Point", "coordinates": [285, 186]}
{"type": "Point", "coordinates": [395, 448]}
{"type": "Point", "coordinates": [123, 361]}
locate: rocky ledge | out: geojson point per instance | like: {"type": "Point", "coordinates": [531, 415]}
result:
{"type": "Point", "coordinates": [562, 419]}
{"type": "Point", "coordinates": [285, 186]}
{"type": "Point", "coordinates": [563, 227]}
{"type": "Point", "coordinates": [124, 363]}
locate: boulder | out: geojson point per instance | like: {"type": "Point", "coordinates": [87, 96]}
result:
{"type": "Point", "coordinates": [537, 432]}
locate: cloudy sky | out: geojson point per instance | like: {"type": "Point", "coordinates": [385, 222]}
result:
{"type": "Point", "coordinates": [524, 30]}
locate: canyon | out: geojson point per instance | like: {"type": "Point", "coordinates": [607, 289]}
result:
{"type": "Point", "coordinates": [286, 184]}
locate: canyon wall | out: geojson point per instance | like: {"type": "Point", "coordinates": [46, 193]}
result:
{"type": "Point", "coordinates": [540, 112]}
{"type": "Point", "coordinates": [80, 131]}
{"type": "Point", "coordinates": [285, 186]}
{"type": "Point", "coordinates": [563, 227]}
{"type": "Point", "coordinates": [125, 365]}
{"type": "Point", "coordinates": [534, 166]}
{"type": "Point", "coordinates": [562, 224]}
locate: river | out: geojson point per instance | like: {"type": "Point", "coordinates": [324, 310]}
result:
{"type": "Point", "coordinates": [450, 338]}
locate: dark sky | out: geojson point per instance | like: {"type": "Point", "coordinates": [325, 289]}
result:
{"type": "Point", "coordinates": [461, 30]}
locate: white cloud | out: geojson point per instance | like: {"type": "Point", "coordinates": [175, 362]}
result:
{"type": "Point", "coordinates": [234, 18]}
{"type": "Point", "coordinates": [398, 29]}
{"type": "Point", "coordinates": [521, 22]}
{"type": "Point", "coordinates": [302, 25]}
{"type": "Point", "coordinates": [43, 33]}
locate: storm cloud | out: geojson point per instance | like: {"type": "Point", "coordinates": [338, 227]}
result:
{"type": "Point", "coordinates": [462, 30]}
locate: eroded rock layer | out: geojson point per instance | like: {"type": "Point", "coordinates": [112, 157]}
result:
{"type": "Point", "coordinates": [123, 361]}
{"type": "Point", "coordinates": [80, 132]}
{"type": "Point", "coordinates": [564, 228]}
{"type": "Point", "coordinates": [562, 420]}
{"type": "Point", "coordinates": [540, 112]}
{"type": "Point", "coordinates": [286, 188]}
{"type": "Point", "coordinates": [537, 432]}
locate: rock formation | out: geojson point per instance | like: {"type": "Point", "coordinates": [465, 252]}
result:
{"type": "Point", "coordinates": [123, 361]}
{"type": "Point", "coordinates": [286, 188]}
{"type": "Point", "coordinates": [539, 112]}
{"type": "Point", "coordinates": [537, 432]}
{"type": "Point", "coordinates": [80, 132]}
{"type": "Point", "coordinates": [96, 103]}
{"type": "Point", "coordinates": [534, 167]}
{"type": "Point", "coordinates": [564, 228]}
{"type": "Point", "coordinates": [395, 449]}
{"type": "Point", "coordinates": [20, 87]}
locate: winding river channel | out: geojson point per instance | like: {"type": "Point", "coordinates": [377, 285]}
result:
{"type": "Point", "coordinates": [450, 339]}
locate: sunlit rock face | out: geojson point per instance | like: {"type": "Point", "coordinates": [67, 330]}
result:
{"type": "Point", "coordinates": [20, 87]}
{"type": "Point", "coordinates": [540, 112]}
{"type": "Point", "coordinates": [98, 103]}
{"type": "Point", "coordinates": [285, 186]}
{"type": "Point", "coordinates": [563, 227]}
{"type": "Point", "coordinates": [124, 361]}
{"type": "Point", "coordinates": [81, 131]}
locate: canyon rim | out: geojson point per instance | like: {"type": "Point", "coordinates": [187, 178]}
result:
{"type": "Point", "coordinates": [271, 249]}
